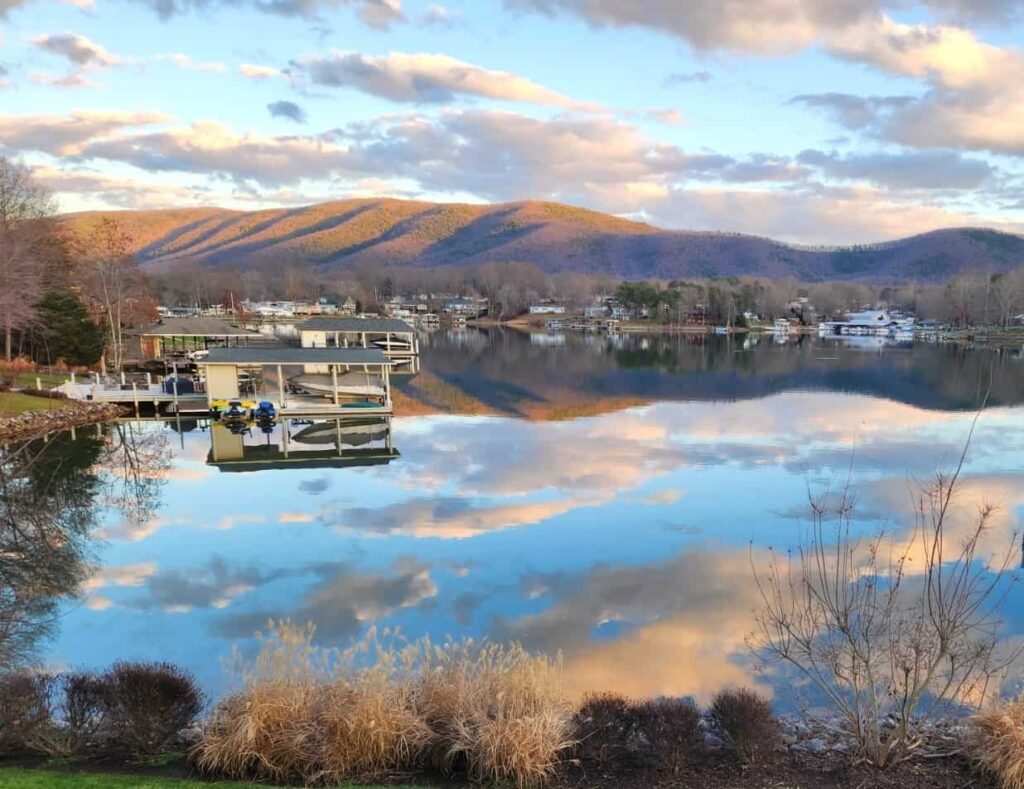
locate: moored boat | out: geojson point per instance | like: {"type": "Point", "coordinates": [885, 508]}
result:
{"type": "Point", "coordinates": [350, 384]}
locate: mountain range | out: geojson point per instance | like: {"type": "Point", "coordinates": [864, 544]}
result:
{"type": "Point", "coordinates": [555, 237]}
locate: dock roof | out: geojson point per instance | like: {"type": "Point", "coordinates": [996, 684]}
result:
{"type": "Point", "coordinates": [197, 327]}
{"type": "Point", "coordinates": [290, 355]}
{"type": "Point", "coordinates": [372, 325]}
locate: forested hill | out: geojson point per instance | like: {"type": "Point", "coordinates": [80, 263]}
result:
{"type": "Point", "coordinates": [555, 237]}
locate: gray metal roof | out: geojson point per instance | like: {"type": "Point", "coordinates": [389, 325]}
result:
{"type": "Point", "coordinates": [197, 327]}
{"type": "Point", "coordinates": [373, 325]}
{"type": "Point", "coordinates": [290, 355]}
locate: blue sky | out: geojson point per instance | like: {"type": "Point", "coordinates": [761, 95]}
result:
{"type": "Point", "coordinates": [808, 120]}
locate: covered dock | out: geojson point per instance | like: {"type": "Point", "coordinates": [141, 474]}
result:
{"type": "Point", "coordinates": [241, 451]}
{"type": "Point", "coordinates": [177, 335]}
{"type": "Point", "coordinates": [394, 337]}
{"type": "Point", "coordinates": [223, 366]}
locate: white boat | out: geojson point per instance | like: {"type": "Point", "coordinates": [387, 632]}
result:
{"type": "Point", "coordinates": [721, 330]}
{"type": "Point", "coordinates": [782, 326]}
{"type": "Point", "coordinates": [393, 344]}
{"type": "Point", "coordinates": [353, 433]}
{"type": "Point", "coordinates": [351, 383]}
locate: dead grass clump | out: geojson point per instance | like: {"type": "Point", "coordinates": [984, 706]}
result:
{"type": "Point", "coordinates": [996, 742]}
{"type": "Point", "coordinates": [387, 707]}
{"type": "Point", "coordinates": [745, 721]}
{"type": "Point", "coordinates": [497, 712]}
{"type": "Point", "coordinates": [268, 732]}
{"type": "Point", "coordinates": [371, 728]}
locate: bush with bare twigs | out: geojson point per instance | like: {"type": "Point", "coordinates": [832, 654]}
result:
{"type": "Point", "coordinates": [745, 721]}
{"type": "Point", "coordinates": [901, 628]}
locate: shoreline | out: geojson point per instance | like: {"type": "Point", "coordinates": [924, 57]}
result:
{"type": "Point", "coordinates": [31, 424]}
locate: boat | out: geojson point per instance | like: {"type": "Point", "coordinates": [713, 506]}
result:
{"type": "Point", "coordinates": [782, 326]}
{"type": "Point", "coordinates": [393, 344]}
{"type": "Point", "coordinates": [350, 384]}
{"type": "Point", "coordinates": [352, 432]}
{"type": "Point", "coordinates": [721, 330]}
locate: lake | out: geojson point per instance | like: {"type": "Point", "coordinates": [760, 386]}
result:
{"type": "Point", "coordinates": [601, 497]}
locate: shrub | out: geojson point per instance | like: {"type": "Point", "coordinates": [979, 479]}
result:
{"type": "Point", "coordinates": [81, 709]}
{"type": "Point", "coordinates": [26, 712]}
{"type": "Point", "coordinates": [672, 730]}
{"type": "Point", "coordinates": [605, 728]}
{"type": "Point", "coordinates": [145, 705]}
{"type": "Point", "coordinates": [995, 740]}
{"type": "Point", "coordinates": [744, 720]}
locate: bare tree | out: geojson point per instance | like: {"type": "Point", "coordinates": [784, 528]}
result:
{"type": "Point", "coordinates": [27, 243]}
{"type": "Point", "coordinates": [113, 282]}
{"type": "Point", "coordinates": [891, 627]}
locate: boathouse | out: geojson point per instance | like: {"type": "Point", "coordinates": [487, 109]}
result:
{"type": "Point", "coordinates": [394, 337]}
{"type": "Point", "coordinates": [173, 335]}
{"type": "Point", "coordinates": [224, 367]}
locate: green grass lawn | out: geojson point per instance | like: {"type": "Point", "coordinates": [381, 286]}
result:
{"type": "Point", "coordinates": [45, 779]}
{"type": "Point", "coordinates": [48, 380]}
{"type": "Point", "coordinates": [17, 403]}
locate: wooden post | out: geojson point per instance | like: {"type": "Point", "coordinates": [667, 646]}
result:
{"type": "Point", "coordinates": [149, 380]}
{"type": "Point", "coordinates": [39, 382]}
{"type": "Point", "coordinates": [280, 388]}
{"type": "Point", "coordinates": [123, 381]}
{"type": "Point", "coordinates": [72, 379]}
{"type": "Point", "coordinates": [135, 398]}
{"type": "Point", "coordinates": [334, 381]}
{"type": "Point", "coordinates": [387, 385]}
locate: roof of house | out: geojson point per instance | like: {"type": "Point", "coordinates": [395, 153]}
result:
{"type": "Point", "coordinates": [374, 325]}
{"type": "Point", "coordinates": [196, 327]}
{"type": "Point", "coordinates": [290, 355]}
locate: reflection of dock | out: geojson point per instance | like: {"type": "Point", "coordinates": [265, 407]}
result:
{"type": "Point", "coordinates": [334, 443]}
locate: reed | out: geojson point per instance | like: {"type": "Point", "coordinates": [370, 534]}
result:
{"type": "Point", "coordinates": [996, 742]}
{"type": "Point", "coordinates": [387, 707]}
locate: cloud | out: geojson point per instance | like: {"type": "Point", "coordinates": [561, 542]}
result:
{"type": "Point", "coordinates": [854, 112]}
{"type": "Point", "coordinates": [378, 14]}
{"type": "Point", "coordinates": [426, 78]}
{"type": "Point", "coordinates": [254, 71]}
{"type": "Point", "coordinates": [120, 575]}
{"type": "Point", "coordinates": [450, 517]}
{"type": "Point", "coordinates": [287, 109]}
{"type": "Point", "coordinates": [65, 135]}
{"type": "Point", "coordinates": [910, 170]}
{"type": "Point", "coordinates": [688, 77]}
{"type": "Point", "coordinates": [667, 116]}
{"type": "Point", "coordinates": [186, 63]}
{"type": "Point", "coordinates": [682, 625]}
{"type": "Point", "coordinates": [78, 50]}
{"type": "Point", "coordinates": [773, 27]}
{"type": "Point", "coordinates": [123, 193]}
{"type": "Point", "coordinates": [214, 586]}
{"type": "Point", "coordinates": [975, 95]}
{"type": "Point", "coordinates": [344, 600]}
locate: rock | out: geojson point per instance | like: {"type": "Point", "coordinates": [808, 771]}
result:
{"type": "Point", "coordinates": [813, 745]}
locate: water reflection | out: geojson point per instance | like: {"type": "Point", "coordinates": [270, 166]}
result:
{"type": "Point", "coordinates": [616, 524]}
{"type": "Point", "coordinates": [294, 443]}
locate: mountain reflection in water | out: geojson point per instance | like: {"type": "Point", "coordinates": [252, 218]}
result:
{"type": "Point", "coordinates": [603, 497]}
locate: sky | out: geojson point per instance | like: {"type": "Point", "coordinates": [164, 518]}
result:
{"type": "Point", "coordinates": [810, 121]}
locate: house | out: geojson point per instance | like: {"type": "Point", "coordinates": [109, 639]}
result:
{"type": "Point", "coordinates": [394, 337]}
{"type": "Point", "coordinates": [547, 308]}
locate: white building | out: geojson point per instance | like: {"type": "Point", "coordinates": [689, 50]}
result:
{"type": "Point", "coordinates": [547, 309]}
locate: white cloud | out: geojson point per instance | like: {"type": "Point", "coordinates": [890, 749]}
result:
{"type": "Point", "coordinates": [426, 78]}
{"type": "Point", "coordinates": [255, 71]}
{"type": "Point", "coordinates": [77, 49]}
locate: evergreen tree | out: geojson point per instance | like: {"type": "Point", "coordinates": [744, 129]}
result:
{"type": "Point", "coordinates": [64, 330]}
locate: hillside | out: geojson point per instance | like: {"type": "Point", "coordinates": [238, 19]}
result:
{"type": "Point", "coordinates": [556, 237]}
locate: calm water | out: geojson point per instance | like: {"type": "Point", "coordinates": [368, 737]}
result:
{"type": "Point", "coordinates": [597, 497]}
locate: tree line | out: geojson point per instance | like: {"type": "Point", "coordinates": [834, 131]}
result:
{"type": "Point", "coordinates": [63, 297]}
{"type": "Point", "coordinates": [73, 297]}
